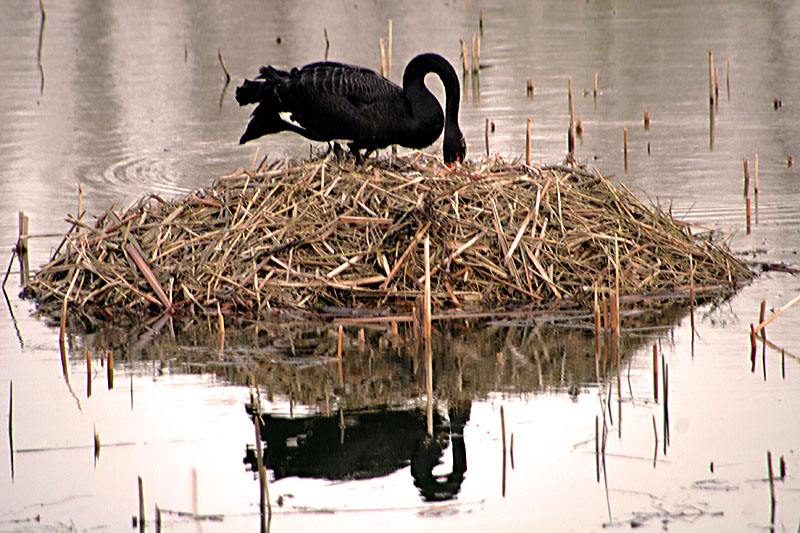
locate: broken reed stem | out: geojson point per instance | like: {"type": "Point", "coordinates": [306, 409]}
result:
{"type": "Point", "coordinates": [616, 281]}
{"type": "Point", "coordinates": [389, 52]}
{"type": "Point", "coordinates": [771, 487]}
{"type": "Point", "coordinates": [776, 314]}
{"type": "Point", "coordinates": [625, 146]}
{"type": "Point", "coordinates": [88, 373]}
{"type": "Point", "coordinates": [263, 482]}
{"type": "Point", "coordinates": [528, 143]}
{"type": "Point", "coordinates": [383, 57]}
{"type": "Point", "coordinates": [486, 137]}
{"type": "Point", "coordinates": [110, 369]}
{"type": "Point", "coordinates": [728, 79]}
{"type": "Point", "coordinates": [597, 447]}
{"type": "Point", "coordinates": [755, 174]}
{"type": "Point", "coordinates": [63, 329]}
{"type": "Point", "coordinates": [655, 371]}
{"type": "Point", "coordinates": [665, 389]}
{"type": "Point", "coordinates": [224, 68]}
{"type": "Point", "coordinates": [571, 107]}
{"type": "Point", "coordinates": [11, 415]}
{"type": "Point", "coordinates": [710, 77]}
{"type": "Point", "coordinates": [747, 215]}
{"type": "Point", "coordinates": [427, 324]}
{"type": "Point", "coordinates": [595, 86]}
{"type": "Point", "coordinates": [465, 60]}
{"type": "Point", "coordinates": [339, 364]}
{"type": "Point", "coordinates": [691, 293]}
{"type": "Point", "coordinates": [221, 320]}
{"type": "Point", "coordinates": [503, 429]}
{"type": "Point", "coordinates": [746, 177]}
{"type": "Point", "coordinates": [22, 250]}
{"type": "Point", "coordinates": [141, 505]}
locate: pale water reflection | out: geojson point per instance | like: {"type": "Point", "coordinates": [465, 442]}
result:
{"type": "Point", "coordinates": [133, 103]}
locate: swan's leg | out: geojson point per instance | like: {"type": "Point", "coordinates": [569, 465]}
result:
{"type": "Point", "coordinates": [338, 151]}
{"type": "Point", "coordinates": [355, 149]}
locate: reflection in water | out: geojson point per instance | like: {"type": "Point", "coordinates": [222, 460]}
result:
{"type": "Point", "coordinates": [364, 444]}
{"type": "Point", "coordinates": [125, 112]}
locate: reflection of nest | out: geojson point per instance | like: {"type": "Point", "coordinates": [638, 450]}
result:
{"type": "Point", "coordinates": [319, 232]}
{"type": "Point", "coordinates": [297, 362]}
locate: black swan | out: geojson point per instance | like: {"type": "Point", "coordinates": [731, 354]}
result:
{"type": "Point", "coordinates": [336, 102]}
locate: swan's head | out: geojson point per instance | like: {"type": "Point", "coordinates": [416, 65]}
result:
{"type": "Point", "coordinates": [454, 147]}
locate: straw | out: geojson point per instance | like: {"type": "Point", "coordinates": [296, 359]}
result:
{"type": "Point", "coordinates": [501, 234]}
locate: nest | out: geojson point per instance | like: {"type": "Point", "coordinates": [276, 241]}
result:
{"type": "Point", "coordinates": [323, 233]}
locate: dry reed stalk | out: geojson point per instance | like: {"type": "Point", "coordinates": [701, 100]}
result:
{"type": "Point", "coordinates": [389, 52]}
{"type": "Point", "coordinates": [224, 68]}
{"type": "Point", "coordinates": [655, 372]}
{"type": "Point", "coordinates": [728, 79]}
{"type": "Point", "coordinates": [110, 369]}
{"type": "Point", "coordinates": [486, 137]}
{"type": "Point", "coordinates": [755, 174]}
{"type": "Point", "coordinates": [474, 54]}
{"type": "Point", "coordinates": [710, 77]}
{"type": "Point", "coordinates": [383, 56]}
{"type": "Point", "coordinates": [465, 61]}
{"type": "Point", "coordinates": [746, 178]}
{"type": "Point", "coordinates": [776, 314]}
{"type": "Point", "coordinates": [141, 505]}
{"type": "Point", "coordinates": [528, 141]}
{"type": "Point", "coordinates": [747, 214]}
{"type": "Point", "coordinates": [571, 107]}
{"type": "Point", "coordinates": [625, 146]}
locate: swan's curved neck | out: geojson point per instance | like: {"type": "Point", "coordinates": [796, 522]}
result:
{"type": "Point", "coordinates": [414, 76]}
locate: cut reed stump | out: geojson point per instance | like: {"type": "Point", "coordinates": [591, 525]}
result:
{"type": "Point", "coordinates": [313, 233]}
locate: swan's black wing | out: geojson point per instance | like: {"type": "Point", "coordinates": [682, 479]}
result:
{"type": "Point", "coordinates": [338, 101]}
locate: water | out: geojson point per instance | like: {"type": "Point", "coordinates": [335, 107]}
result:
{"type": "Point", "coordinates": [134, 101]}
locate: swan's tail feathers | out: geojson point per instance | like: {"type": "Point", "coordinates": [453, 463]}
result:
{"type": "Point", "coordinates": [272, 75]}
{"type": "Point", "coordinates": [249, 92]}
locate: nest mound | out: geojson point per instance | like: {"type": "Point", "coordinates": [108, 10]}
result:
{"type": "Point", "coordinates": [309, 234]}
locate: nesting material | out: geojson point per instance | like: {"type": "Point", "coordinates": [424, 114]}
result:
{"type": "Point", "coordinates": [313, 233]}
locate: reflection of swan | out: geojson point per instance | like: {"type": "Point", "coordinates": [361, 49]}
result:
{"type": "Point", "coordinates": [356, 445]}
{"type": "Point", "coordinates": [427, 456]}
{"type": "Point", "coordinates": [332, 101]}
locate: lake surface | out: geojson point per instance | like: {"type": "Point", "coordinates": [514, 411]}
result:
{"type": "Point", "coordinates": [129, 99]}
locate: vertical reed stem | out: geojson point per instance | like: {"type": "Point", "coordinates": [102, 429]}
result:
{"type": "Point", "coordinates": [571, 107]}
{"type": "Point", "coordinates": [728, 79]}
{"type": "Point", "coordinates": [746, 177]}
{"type": "Point", "coordinates": [528, 143]}
{"type": "Point", "coordinates": [755, 174]}
{"type": "Point", "coordinates": [486, 137]}
{"type": "Point", "coordinates": [625, 146]}
{"type": "Point", "coordinates": [389, 52]}
{"type": "Point", "coordinates": [383, 57]}
{"type": "Point", "coordinates": [655, 371]}
{"type": "Point", "coordinates": [427, 335]}
{"type": "Point", "coordinates": [710, 77]}
{"type": "Point", "coordinates": [141, 505]}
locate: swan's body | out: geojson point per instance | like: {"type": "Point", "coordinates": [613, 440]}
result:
{"type": "Point", "coordinates": [336, 102]}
